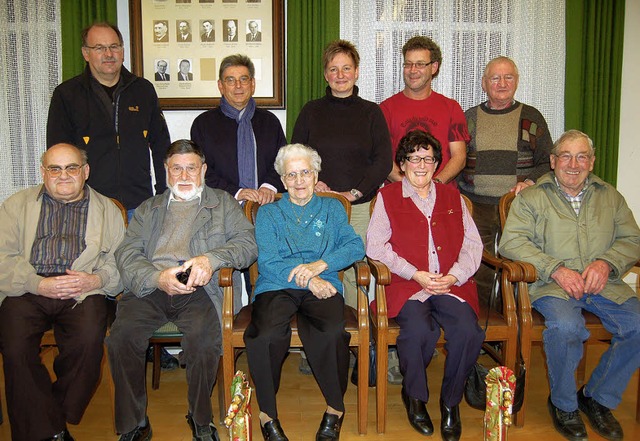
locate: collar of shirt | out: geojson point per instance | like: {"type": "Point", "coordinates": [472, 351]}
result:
{"type": "Point", "coordinates": [424, 204]}
{"type": "Point", "coordinates": [85, 195]}
{"type": "Point", "coordinates": [574, 201]}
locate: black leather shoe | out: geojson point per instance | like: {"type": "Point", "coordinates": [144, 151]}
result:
{"type": "Point", "coordinates": [138, 434]}
{"type": "Point", "coordinates": [600, 417]}
{"type": "Point", "coordinates": [208, 432]}
{"type": "Point", "coordinates": [272, 431]}
{"type": "Point", "coordinates": [62, 436]}
{"type": "Point", "coordinates": [418, 415]}
{"type": "Point", "coordinates": [450, 425]}
{"type": "Point", "coordinates": [329, 429]}
{"type": "Point", "coordinates": [568, 424]}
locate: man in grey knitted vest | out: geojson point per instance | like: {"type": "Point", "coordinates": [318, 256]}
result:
{"type": "Point", "coordinates": [509, 150]}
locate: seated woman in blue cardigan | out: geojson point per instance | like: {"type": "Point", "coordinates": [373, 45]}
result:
{"type": "Point", "coordinates": [303, 241]}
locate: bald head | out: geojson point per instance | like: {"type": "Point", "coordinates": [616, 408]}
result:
{"type": "Point", "coordinates": [64, 171]}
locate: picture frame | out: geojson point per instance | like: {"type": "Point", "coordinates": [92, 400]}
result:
{"type": "Point", "coordinates": [178, 45]}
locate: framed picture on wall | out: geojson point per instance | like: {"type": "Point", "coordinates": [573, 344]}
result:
{"type": "Point", "coordinates": [178, 46]}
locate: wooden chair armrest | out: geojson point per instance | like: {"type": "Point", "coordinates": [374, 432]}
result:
{"type": "Point", "coordinates": [363, 274]}
{"type": "Point", "coordinates": [528, 275]}
{"type": "Point", "coordinates": [491, 260]}
{"type": "Point", "coordinates": [363, 278]}
{"type": "Point", "coordinates": [225, 277]}
{"type": "Point", "coordinates": [383, 278]}
{"type": "Point", "coordinates": [380, 272]}
{"type": "Point", "coordinates": [225, 281]}
{"type": "Point", "coordinates": [511, 274]}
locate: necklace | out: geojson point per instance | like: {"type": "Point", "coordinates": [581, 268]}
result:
{"type": "Point", "coordinates": [300, 216]}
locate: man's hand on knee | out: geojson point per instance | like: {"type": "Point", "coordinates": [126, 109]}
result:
{"type": "Point", "coordinates": [570, 281]}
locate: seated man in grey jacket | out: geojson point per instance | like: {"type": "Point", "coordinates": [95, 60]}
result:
{"type": "Point", "coordinates": [175, 244]}
{"type": "Point", "coordinates": [57, 244]}
{"type": "Point", "coordinates": [580, 235]}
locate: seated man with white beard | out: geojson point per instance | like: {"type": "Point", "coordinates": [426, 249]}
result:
{"type": "Point", "coordinates": [175, 244]}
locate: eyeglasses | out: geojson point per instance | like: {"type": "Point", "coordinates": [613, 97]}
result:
{"type": "Point", "coordinates": [100, 49]}
{"type": "Point", "coordinates": [507, 78]}
{"type": "Point", "coordinates": [72, 170]}
{"type": "Point", "coordinates": [418, 159]}
{"type": "Point", "coordinates": [231, 81]}
{"type": "Point", "coordinates": [582, 158]}
{"type": "Point", "coordinates": [192, 170]}
{"type": "Point", "coordinates": [304, 174]}
{"type": "Point", "coordinates": [418, 64]}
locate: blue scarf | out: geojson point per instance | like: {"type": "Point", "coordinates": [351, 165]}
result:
{"type": "Point", "coordinates": [246, 141]}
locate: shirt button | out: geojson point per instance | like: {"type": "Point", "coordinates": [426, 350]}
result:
{"type": "Point", "coordinates": [438, 248]}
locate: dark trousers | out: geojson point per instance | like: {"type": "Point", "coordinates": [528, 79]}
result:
{"type": "Point", "coordinates": [136, 320]}
{"type": "Point", "coordinates": [37, 408]}
{"type": "Point", "coordinates": [420, 325]}
{"type": "Point", "coordinates": [321, 329]}
{"type": "Point", "coordinates": [487, 219]}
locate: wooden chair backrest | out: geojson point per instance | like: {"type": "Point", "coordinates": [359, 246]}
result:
{"type": "Point", "coordinates": [123, 211]}
{"type": "Point", "coordinates": [504, 206]}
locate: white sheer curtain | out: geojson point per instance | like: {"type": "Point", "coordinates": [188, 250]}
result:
{"type": "Point", "coordinates": [470, 33]}
{"type": "Point", "coordinates": [30, 68]}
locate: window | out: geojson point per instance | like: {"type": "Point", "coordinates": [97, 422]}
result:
{"type": "Point", "coordinates": [31, 69]}
{"type": "Point", "coordinates": [470, 33]}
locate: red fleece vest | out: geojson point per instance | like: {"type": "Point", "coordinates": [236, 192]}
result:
{"type": "Point", "coordinates": [410, 240]}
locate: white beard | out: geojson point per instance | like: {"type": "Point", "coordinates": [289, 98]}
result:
{"type": "Point", "coordinates": [186, 195]}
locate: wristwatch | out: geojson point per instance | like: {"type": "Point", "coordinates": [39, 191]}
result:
{"type": "Point", "coordinates": [355, 193]}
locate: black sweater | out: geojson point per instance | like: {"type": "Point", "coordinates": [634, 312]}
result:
{"type": "Point", "coordinates": [352, 138]}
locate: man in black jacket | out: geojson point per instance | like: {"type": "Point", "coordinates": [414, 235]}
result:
{"type": "Point", "coordinates": [115, 116]}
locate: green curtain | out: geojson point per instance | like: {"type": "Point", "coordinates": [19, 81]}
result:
{"type": "Point", "coordinates": [75, 15]}
{"type": "Point", "coordinates": [311, 25]}
{"type": "Point", "coordinates": [593, 76]}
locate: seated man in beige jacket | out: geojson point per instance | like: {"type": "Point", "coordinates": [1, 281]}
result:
{"type": "Point", "coordinates": [57, 263]}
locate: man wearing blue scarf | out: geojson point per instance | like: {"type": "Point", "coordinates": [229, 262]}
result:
{"type": "Point", "coordinates": [239, 140]}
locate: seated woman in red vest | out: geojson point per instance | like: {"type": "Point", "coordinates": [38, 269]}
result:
{"type": "Point", "coordinates": [423, 232]}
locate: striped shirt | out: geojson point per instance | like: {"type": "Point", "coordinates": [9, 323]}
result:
{"type": "Point", "coordinates": [60, 234]}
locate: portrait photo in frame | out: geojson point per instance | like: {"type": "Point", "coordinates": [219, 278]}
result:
{"type": "Point", "coordinates": [204, 33]}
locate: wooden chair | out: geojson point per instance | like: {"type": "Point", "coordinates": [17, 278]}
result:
{"type": "Point", "coordinates": [357, 322]}
{"type": "Point", "coordinates": [500, 327]}
{"type": "Point", "coordinates": [531, 322]}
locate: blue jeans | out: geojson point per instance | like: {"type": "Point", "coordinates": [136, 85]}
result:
{"type": "Point", "coordinates": [563, 341]}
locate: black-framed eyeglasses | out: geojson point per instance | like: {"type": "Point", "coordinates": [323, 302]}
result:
{"type": "Point", "coordinates": [418, 159]}
{"type": "Point", "coordinates": [418, 64]}
{"type": "Point", "coordinates": [100, 49]}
